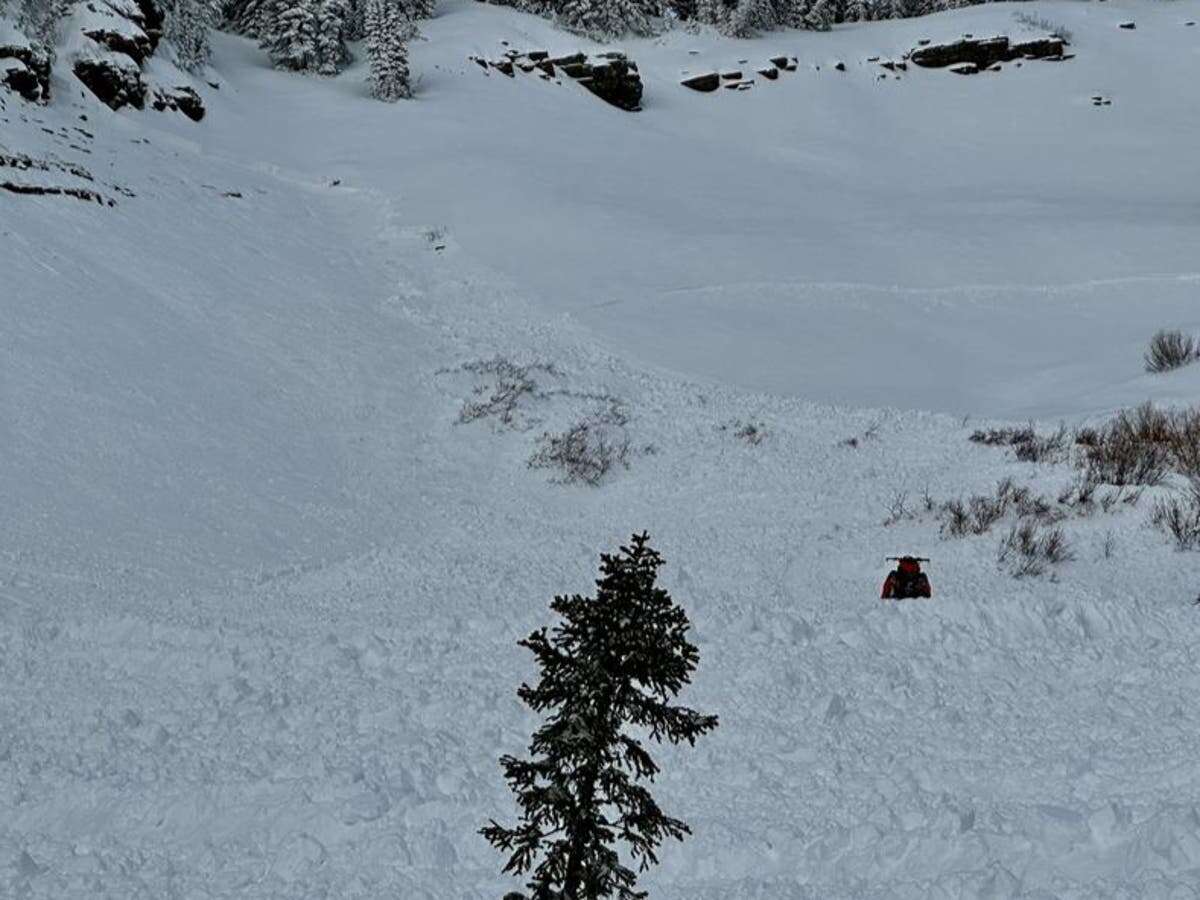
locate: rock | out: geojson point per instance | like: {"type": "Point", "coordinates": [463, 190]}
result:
{"type": "Point", "coordinates": [1040, 48]}
{"type": "Point", "coordinates": [981, 53]}
{"type": "Point", "coordinates": [479, 61]}
{"type": "Point", "coordinates": [151, 22]}
{"type": "Point", "coordinates": [771, 74]}
{"type": "Point", "coordinates": [537, 55]}
{"type": "Point", "coordinates": [182, 99]}
{"type": "Point", "coordinates": [923, 42]}
{"type": "Point", "coordinates": [704, 83]}
{"type": "Point", "coordinates": [504, 67]}
{"type": "Point", "coordinates": [780, 62]}
{"type": "Point", "coordinates": [577, 69]}
{"type": "Point", "coordinates": [1128, 26]}
{"type": "Point", "coordinates": [964, 68]}
{"type": "Point", "coordinates": [840, 66]}
{"type": "Point", "coordinates": [895, 66]}
{"type": "Point", "coordinates": [731, 76]}
{"type": "Point", "coordinates": [116, 80]}
{"type": "Point", "coordinates": [569, 60]}
{"type": "Point", "coordinates": [26, 69]}
{"type": "Point", "coordinates": [18, 77]}
{"type": "Point", "coordinates": [547, 67]}
{"type": "Point", "coordinates": [616, 82]}
{"type": "Point", "coordinates": [133, 42]}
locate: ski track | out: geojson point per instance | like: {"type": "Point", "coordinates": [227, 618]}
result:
{"type": "Point", "coordinates": [293, 680]}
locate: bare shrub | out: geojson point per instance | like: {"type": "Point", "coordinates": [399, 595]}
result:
{"type": "Point", "coordinates": [1131, 449]}
{"type": "Point", "coordinates": [1171, 350]}
{"type": "Point", "coordinates": [1180, 518]}
{"type": "Point", "coordinates": [585, 452]}
{"type": "Point", "coordinates": [1041, 23]}
{"type": "Point", "coordinates": [505, 385]}
{"type": "Point", "coordinates": [980, 513]}
{"type": "Point", "coordinates": [1142, 446]}
{"type": "Point", "coordinates": [1030, 550]}
{"type": "Point", "coordinates": [898, 509]}
{"type": "Point", "coordinates": [1028, 445]}
{"type": "Point", "coordinates": [753, 433]}
{"type": "Point", "coordinates": [870, 434]}
{"type": "Point", "coordinates": [1002, 437]}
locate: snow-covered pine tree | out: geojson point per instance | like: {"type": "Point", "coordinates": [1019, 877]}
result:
{"type": "Point", "coordinates": [820, 16]}
{"type": "Point", "coordinates": [616, 660]}
{"type": "Point", "coordinates": [292, 42]}
{"type": "Point", "coordinates": [331, 27]}
{"type": "Point", "coordinates": [603, 20]}
{"type": "Point", "coordinates": [859, 11]}
{"type": "Point", "coordinates": [389, 30]}
{"type": "Point", "coordinates": [751, 17]}
{"type": "Point", "coordinates": [419, 9]}
{"type": "Point", "coordinates": [712, 12]}
{"type": "Point", "coordinates": [187, 27]}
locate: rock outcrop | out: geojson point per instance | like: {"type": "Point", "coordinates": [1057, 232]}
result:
{"type": "Point", "coordinates": [182, 99]}
{"type": "Point", "coordinates": [114, 78]}
{"type": "Point", "coordinates": [706, 83]}
{"type": "Point", "coordinates": [615, 81]}
{"type": "Point", "coordinates": [983, 53]}
{"type": "Point", "coordinates": [610, 76]}
{"type": "Point", "coordinates": [24, 66]}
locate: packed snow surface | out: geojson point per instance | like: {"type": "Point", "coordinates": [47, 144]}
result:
{"type": "Point", "coordinates": [260, 587]}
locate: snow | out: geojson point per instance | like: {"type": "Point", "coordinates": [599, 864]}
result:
{"type": "Point", "coordinates": [260, 589]}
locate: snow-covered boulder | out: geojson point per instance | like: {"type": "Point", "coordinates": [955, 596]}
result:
{"type": "Point", "coordinates": [986, 52]}
{"type": "Point", "coordinates": [109, 42]}
{"type": "Point", "coordinates": [113, 77]}
{"type": "Point", "coordinates": [180, 98]}
{"type": "Point", "coordinates": [615, 80]}
{"type": "Point", "coordinates": [24, 66]}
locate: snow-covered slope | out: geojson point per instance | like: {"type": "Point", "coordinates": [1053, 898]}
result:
{"type": "Point", "coordinates": [261, 588]}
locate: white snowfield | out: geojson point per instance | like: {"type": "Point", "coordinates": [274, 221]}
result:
{"type": "Point", "coordinates": [260, 588]}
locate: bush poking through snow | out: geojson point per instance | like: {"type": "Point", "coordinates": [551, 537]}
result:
{"type": "Point", "coordinates": [1044, 25]}
{"type": "Point", "coordinates": [980, 513]}
{"type": "Point", "coordinates": [505, 387]}
{"type": "Point", "coordinates": [1171, 350]}
{"type": "Point", "coordinates": [1180, 518]}
{"type": "Point", "coordinates": [1028, 445]}
{"type": "Point", "coordinates": [1028, 550]}
{"type": "Point", "coordinates": [1142, 446]}
{"type": "Point", "coordinates": [610, 671]}
{"type": "Point", "coordinates": [585, 452]}
{"type": "Point", "coordinates": [753, 433]}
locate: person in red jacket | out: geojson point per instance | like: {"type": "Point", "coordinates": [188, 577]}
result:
{"type": "Point", "coordinates": [906, 580]}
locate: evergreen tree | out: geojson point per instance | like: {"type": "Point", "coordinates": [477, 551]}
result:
{"type": "Point", "coordinates": [751, 17]}
{"type": "Point", "coordinates": [602, 20]}
{"type": "Point", "coordinates": [389, 30]}
{"type": "Point", "coordinates": [858, 11]}
{"type": "Point", "coordinates": [820, 15]}
{"type": "Point", "coordinates": [291, 34]}
{"type": "Point", "coordinates": [331, 27]}
{"type": "Point", "coordinates": [615, 660]}
{"type": "Point", "coordinates": [187, 27]}
{"type": "Point", "coordinates": [712, 12]}
{"type": "Point", "coordinates": [420, 9]}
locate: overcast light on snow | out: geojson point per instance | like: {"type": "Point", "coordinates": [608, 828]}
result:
{"type": "Point", "coordinates": [261, 580]}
